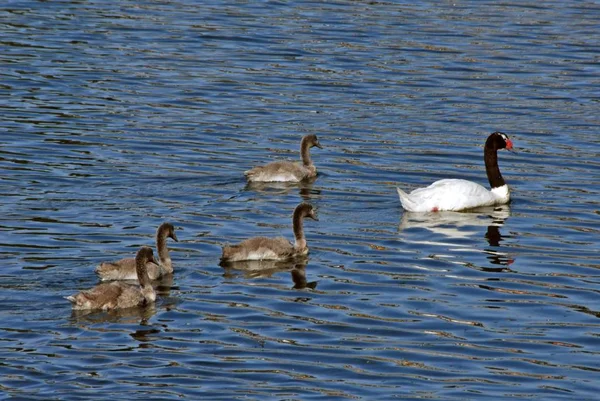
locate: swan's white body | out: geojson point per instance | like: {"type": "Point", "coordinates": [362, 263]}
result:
{"type": "Point", "coordinates": [456, 194]}
{"type": "Point", "coordinates": [452, 195]}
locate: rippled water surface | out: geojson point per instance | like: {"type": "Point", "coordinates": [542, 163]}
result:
{"type": "Point", "coordinates": [117, 116]}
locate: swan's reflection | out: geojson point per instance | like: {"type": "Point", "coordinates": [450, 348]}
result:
{"type": "Point", "coordinates": [266, 268]}
{"type": "Point", "coordinates": [454, 228]}
{"type": "Point", "coordinates": [305, 188]}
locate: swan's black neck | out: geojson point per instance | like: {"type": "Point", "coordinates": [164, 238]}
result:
{"type": "Point", "coordinates": [305, 152]}
{"type": "Point", "coordinates": [490, 157]}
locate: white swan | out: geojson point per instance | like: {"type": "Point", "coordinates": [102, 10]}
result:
{"type": "Point", "coordinates": [456, 194]}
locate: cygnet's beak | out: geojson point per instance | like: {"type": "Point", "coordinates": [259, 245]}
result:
{"type": "Point", "coordinates": [174, 237]}
{"type": "Point", "coordinates": [318, 145]}
{"type": "Point", "coordinates": [313, 216]}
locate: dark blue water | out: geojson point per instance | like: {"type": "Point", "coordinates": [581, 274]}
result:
{"type": "Point", "coordinates": [117, 116]}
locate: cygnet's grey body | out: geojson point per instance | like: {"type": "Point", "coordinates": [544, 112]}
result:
{"type": "Point", "coordinates": [117, 294]}
{"type": "Point", "coordinates": [279, 248]}
{"type": "Point", "coordinates": [286, 171]}
{"type": "Point", "coordinates": [125, 269]}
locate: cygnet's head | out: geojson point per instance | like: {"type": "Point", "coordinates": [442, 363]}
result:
{"type": "Point", "coordinates": [169, 231]}
{"type": "Point", "coordinates": [145, 255]}
{"type": "Point", "coordinates": [306, 210]}
{"type": "Point", "coordinates": [312, 140]}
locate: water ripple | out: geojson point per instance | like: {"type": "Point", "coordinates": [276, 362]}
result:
{"type": "Point", "coordinates": [120, 116]}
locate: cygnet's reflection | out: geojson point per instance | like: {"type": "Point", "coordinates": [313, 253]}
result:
{"type": "Point", "coordinates": [145, 335]}
{"type": "Point", "coordinates": [140, 314]}
{"type": "Point", "coordinates": [299, 278]}
{"type": "Point", "coordinates": [305, 188]}
{"type": "Point", "coordinates": [452, 228]}
{"type": "Point", "coordinates": [163, 286]}
{"type": "Point", "coordinates": [253, 269]}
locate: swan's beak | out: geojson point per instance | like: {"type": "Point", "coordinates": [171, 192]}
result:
{"type": "Point", "coordinates": [318, 145]}
{"type": "Point", "coordinates": [509, 145]}
{"type": "Point", "coordinates": [313, 216]}
{"type": "Point", "coordinates": [174, 237]}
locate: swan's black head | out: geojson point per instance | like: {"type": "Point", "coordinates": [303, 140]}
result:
{"type": "Point", "coordinates": [499, 140]}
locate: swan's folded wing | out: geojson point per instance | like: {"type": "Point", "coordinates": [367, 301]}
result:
{"type": "Point", "coordinates": [451, 195]}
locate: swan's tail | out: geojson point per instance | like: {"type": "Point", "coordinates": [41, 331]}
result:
{"type": "Point", "coordinates": [407, 203]}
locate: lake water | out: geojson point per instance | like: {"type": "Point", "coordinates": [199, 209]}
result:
{"type": "Point", "coordinates": [117, 116]}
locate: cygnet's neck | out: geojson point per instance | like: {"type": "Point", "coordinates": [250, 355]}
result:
{"type": "Point", "coordinates": [305, 152]}
{"type": "Point", "coordinates": [163, 251]}
{"type": "Point", "coordinates": [298, 222]}
{"type": "Point", "coordinates": [145, 284]}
